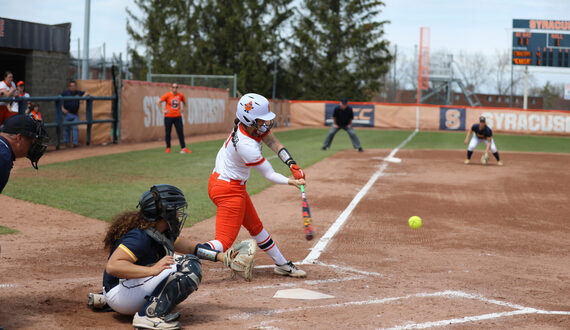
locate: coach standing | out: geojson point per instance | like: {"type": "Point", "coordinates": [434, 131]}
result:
{"type": "Point", "coordinates": [342, 119]}
{"type": "Point", "coordinates": [172, 116]}
{"type": "Point", "coordinates": [70, 113]}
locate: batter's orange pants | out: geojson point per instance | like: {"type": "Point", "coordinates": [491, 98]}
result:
{"type": "Point", "coordinates": [235, 209]}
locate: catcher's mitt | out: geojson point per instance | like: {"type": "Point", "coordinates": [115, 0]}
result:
{"type": "Point", "coordinates": [485, 159]}
{"type": "Point", "coordinates": [240, 257]}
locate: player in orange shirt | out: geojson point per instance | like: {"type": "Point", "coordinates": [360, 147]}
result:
{"type": "Point", "coordinates": [172, 115]}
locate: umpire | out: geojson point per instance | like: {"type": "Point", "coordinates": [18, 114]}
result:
{"type": "Point", "coordinates": [20, 136]}
{"type": "Point", "coordinates": [342, 119]}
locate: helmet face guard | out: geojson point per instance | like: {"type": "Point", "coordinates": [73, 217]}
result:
{"type": "Point", "coordinates": [39, 145]}
{"type": "Point", "coordinates": [265, 127]}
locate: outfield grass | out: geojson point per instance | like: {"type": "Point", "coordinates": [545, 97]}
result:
{"type": "Point", "coordinates": [100, 187]}
{"type": "Point", "coordinates": [525, 143]}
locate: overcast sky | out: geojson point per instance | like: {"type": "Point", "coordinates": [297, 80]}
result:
{"type": "Point", "coordinates": [468, 25]}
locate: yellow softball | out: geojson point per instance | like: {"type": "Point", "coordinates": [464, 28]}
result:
{"type": "Point", "coordinates": [415, 222]}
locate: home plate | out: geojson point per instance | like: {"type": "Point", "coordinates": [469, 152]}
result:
{"type": "Point", "coordinates": [389, 159]}
{"type": "Point", "coordinates": [300, 294]}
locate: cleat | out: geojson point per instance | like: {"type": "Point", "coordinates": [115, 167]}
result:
{"type": "Point", "coordinates": [500, 163]}
{"type": "Point", "coordinates": [185, 151]}
{"type": "Point", "coordinates": [466, 162]}
{"type": "Point", "coordinates": [96, 300]}
{"type": "Point", "coordinates": [147, 322]}
{"type": "Point", "coordinates": [360, 149]}
{"type": "Point", "coordinates": [289, 269]}
{"type": "Point", "coordinates": [324, 148]}
{"type": "Point", "coordinates": [167, 151]}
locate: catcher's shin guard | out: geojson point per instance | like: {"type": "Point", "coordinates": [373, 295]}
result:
{"type": "Point", "coordinates": [177, 287]}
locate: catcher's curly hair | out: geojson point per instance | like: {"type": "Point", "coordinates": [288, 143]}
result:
{"type": "Point", "coordinates": [122, 224]}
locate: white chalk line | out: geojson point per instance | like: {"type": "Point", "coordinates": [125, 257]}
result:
{"type": "Point", "coordinates": [445, 294]}
{"type": "Point", "coordinates": [3, 286]}
{"type": "Point", "coordinates": [318, 263]}
{"type": "Point", "coordinates": [334, 228]}
{"type": "Point", "coordinates": [299, 283]}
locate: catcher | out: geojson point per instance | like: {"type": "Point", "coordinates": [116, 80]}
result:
{"type": "Point", "coordinates": [143, 276]}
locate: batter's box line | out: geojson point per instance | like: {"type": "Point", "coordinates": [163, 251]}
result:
{"type": "Point", "coordinates": [318, 263]}
{"type": "Point", "coordinates": [446, 294]}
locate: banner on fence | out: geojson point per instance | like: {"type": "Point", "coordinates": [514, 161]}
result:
{"type": "Point", "coordinates": [206, 111]}
{"type": "Point", "coordinates": [100, 133]}
{"type": "Point", "coordinates": [432, 117]}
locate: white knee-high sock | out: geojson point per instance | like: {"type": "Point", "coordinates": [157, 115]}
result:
{"type": "Point", "coordinates": [216, 245]}
{"type": "Point", "coordinates": [265, 242]}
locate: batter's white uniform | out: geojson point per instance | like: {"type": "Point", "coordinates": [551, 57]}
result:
{"type": "Point", "coordinates": [232, 164]}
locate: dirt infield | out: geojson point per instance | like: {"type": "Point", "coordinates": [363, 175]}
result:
{"type": "Point", "coordinates": [493, 251]}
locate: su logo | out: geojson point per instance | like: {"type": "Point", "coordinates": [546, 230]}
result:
{"type": "Point", "coordinates": [249, 106]}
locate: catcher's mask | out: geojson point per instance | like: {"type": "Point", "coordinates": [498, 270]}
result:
{"type": "Point", "coordinates": [34, 129]}
{"type": "Point", "coordinates": [166, 202]}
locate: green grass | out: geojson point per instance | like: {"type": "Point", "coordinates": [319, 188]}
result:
{"type": "Point", "coordinates": [100, 187]}
{"type": "Point", "coordinates": [525, 143]}
{"type": "Point", "coordinates": [6, 230]}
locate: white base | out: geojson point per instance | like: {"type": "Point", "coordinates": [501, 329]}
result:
{"type": "Point", "coordinates": [303, 294]}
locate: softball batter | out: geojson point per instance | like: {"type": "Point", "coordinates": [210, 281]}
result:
{"type": "Point", "coordinates": [482, 133]}
{"type": "Point", "coordinates": [227, 185]}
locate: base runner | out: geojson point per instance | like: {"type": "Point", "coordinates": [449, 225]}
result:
{"type": "Point", "coordinates": [482, 133]}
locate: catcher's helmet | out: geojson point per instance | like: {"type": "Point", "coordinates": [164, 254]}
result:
{"type": "Point", "coordinates": [253, 106]}
{"type": "Point", "coordinates": [166, 202]}
{"type": "Point", "coordinates": [34, 129]}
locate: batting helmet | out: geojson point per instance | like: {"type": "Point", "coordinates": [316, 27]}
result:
{"type": "Point", "coordinates": [166, 202]}
{"type": "Point", "coordinates": [253, 106]}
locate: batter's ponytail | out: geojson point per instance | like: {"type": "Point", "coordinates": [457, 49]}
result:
{"type": "Point", "coordinates": [234, 136]}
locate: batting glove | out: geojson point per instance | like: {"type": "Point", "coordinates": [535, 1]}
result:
{"type": "Point", "coordinates": [298, 173]}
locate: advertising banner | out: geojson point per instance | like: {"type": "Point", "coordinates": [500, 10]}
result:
{"type": "Point", "coordinates": [452, 119]}
{"type": "Point", "coordinates": [206, 111]}
{"type": "Point", "coordinates": [434, 117]}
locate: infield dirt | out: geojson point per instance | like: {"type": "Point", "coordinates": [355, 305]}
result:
{"type": "Point", "coordinates": [494, 232]}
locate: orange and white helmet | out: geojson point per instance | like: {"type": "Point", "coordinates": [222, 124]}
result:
{"type": "Point", "coordinates": [253, 106]}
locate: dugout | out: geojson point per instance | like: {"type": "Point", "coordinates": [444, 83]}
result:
{"type": "Point", "coordinates": [38, 54]}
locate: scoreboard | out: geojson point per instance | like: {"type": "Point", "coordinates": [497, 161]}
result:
{"type": "Point", "coordinates": [541, 42]}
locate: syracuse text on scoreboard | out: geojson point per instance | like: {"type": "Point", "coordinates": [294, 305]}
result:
{"type": "Point", "coordinates": [541, 42]}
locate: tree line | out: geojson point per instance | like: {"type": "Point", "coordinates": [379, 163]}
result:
{"type": "Point", "coordinates": [318, 49]}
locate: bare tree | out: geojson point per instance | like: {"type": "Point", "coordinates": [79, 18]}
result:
{"type": "Point", "coordinates": [474, 70]}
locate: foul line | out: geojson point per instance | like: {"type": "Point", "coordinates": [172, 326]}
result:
{"type": "Point", "coordinates": [327, 237]}
{"type": "Point", "coordinates": [445, 294]}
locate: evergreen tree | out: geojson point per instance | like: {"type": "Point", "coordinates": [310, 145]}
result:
{"type": "Point", "coordinates": [219, 37]}
{"type": "Point", "coordinates": [338, 50]}
{"type": "Point", "coordinates": [239, 37]}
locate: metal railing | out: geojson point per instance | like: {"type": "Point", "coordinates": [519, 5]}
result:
{"type": "Point", "coordinates": [59, 123]}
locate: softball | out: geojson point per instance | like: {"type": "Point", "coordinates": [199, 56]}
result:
{"type": "Point", "coordinates": [415, 222]}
